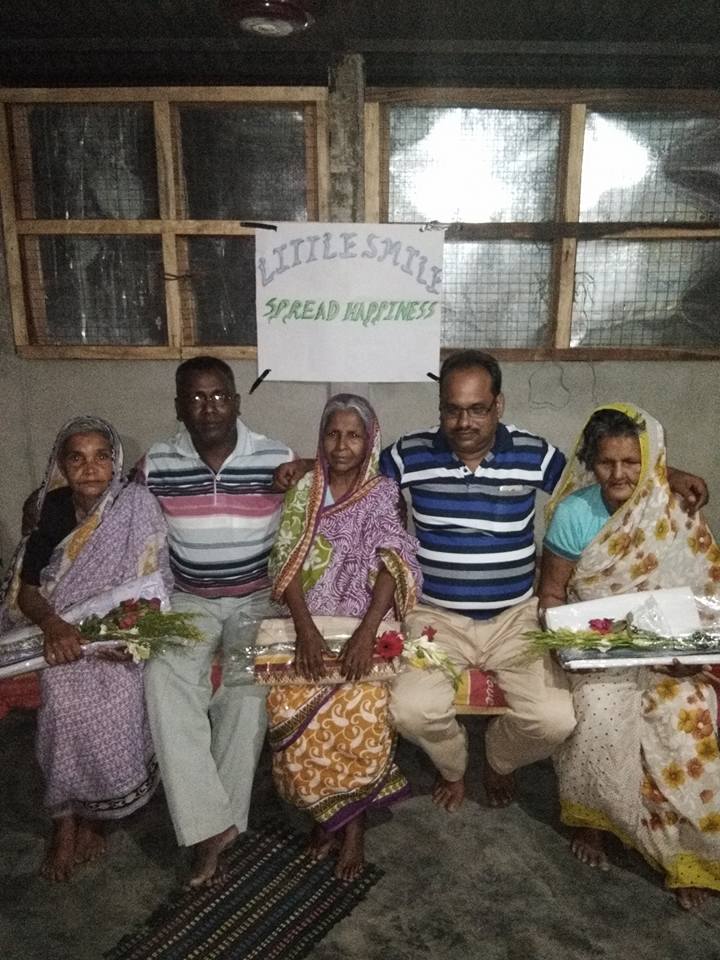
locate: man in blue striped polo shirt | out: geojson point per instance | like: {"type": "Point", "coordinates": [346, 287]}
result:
{"type": "Point", "coordinates": [472, 483]}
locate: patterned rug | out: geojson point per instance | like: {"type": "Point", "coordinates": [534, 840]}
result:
{"type": "Point", "coordinates": [275, 903]}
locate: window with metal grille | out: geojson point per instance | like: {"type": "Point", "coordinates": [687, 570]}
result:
{"type": "Point", "coordinates": [573, 227]}
{"type": "Point", "coordinates": [129, 224]}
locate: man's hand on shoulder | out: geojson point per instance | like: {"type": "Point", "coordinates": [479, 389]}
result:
{"type": "Point", "coordinates": [692, 490]}
{"type": "Point", "coordinates": [287, 475]}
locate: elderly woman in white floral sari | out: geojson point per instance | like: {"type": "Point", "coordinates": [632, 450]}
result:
{"type": "Point", "coordinates": [643, 762]}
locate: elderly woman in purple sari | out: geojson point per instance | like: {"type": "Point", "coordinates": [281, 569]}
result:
{"type": "Point", "coordinates": [341, 550]}
{"type": "Point", "coordinates": [92, 534]}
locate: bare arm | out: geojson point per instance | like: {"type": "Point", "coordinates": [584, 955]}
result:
{"type": "Point", "coordinates": [555, 573]}
{"type": "Point", "coordinates": [62, 639]}
{"type": "Point", "coordinates": [357, 656]}
{"type": "Point", "coordinates": [309, 642]}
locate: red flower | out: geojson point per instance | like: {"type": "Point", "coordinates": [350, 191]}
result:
{"type": "Point", "coordinates": [129, 604]}
{"type": "Point", "coordinates": [128, 621]}
{"type": "Point", "coordinates": [601, 625]}
{"type": "Point", "coordinates": [389, 644]}
{"type": "Point", "coordinates": [428, 632]}
{"type": "Point", "coordinates": [155, 603]}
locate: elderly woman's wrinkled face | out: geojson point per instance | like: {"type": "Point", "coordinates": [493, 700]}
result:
{"type": "Point", "coordinates": [344, 441]}
{"type": "Point", "coordinates": [617, 469]}
{"type": "Point", "coordinates": [87, 464]}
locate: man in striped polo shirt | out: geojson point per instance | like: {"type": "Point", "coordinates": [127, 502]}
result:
{"type": "Point", "coordinates": [472, 483]}
{"type": "Point", "coordinates": [214, 482]}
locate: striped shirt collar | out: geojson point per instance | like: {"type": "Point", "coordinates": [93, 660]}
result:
{"type": "Point", "coordinates": [182, 443]}
{"type": "Point", "coordinates": [503, 441]}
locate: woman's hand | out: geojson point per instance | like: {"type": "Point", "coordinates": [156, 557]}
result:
{"type": "Point", "coordinates": [356, 659]}
{"type": "Point", "coordinates": [691, 489]}
{"type": "Point", "coordinates": [309, 650]}
{"type": "Point", "coordinates": [63, 642]}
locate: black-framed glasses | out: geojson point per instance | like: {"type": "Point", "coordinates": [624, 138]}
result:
{"type": "Point", "coordinates": [217, 397]}
{"type": "Point", "coordinates": [476, 411]}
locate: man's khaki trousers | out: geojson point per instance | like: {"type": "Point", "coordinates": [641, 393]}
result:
{"type": "Point", "coordinates": [540, 715]}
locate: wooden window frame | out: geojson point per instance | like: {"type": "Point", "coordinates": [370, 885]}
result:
{"type": "Point", "coordinates": [565, 230]}
{"type": "Point", "coordinates": [171, 226]}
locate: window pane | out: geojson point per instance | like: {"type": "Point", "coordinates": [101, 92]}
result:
{"type": "Point", "coordinates": [95, 290]}
{"type": "Point", "coordinates": [86, 161]}
{"type": "Point", "coordinates": [471, 165]}
{"type": "Point", "coordinates": [496, 294]}
{"type": "Point", "coordinates": [658, 167]}
{"type": "Point", "coordinates": [245, 162]}
{"type": "Point", "coordinates": [221, 289]}
{"type": "Point", "coordinates": [644, 293]}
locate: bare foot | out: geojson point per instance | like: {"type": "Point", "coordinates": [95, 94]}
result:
{"type": "Point", "coordinates": [448, 794]}
{"type": "Point", "coordinates": [499, 787]}
{"type": "Point", "coordinates": [90, 841]}
{"type": "Point", "coordinates": [60, 857]}
{"type": "Point", "coordinates": [322, 843]}
{"type": "Point", "coordinates": [352, 851]}
{"type": "Point", "coordinates": [689, 898]}
{"type": "Point", "coordinates": [589, 847]}
{"type": "Point", "coordinates": [206, 866]}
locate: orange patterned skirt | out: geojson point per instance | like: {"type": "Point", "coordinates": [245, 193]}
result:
{"type": "Point", "coordinates": [334, 749]}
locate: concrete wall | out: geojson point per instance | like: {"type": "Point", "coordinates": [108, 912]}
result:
{"type": "Point", "coordinates": [550, 399]}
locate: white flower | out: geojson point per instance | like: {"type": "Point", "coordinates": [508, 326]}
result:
{"type": "Point", "coordinates": [424, 653]}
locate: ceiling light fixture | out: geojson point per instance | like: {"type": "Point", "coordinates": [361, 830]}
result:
{"type": "Point", "coordinates": [272, 18]}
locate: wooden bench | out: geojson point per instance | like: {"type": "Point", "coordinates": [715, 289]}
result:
{"type": "Point", "coordinates": [19, 693]}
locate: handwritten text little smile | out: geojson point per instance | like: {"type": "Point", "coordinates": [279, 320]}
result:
{"type": "Point", "coordinates": [344, 246]}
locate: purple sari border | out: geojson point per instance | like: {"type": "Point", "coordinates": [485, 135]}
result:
{"type": "Point", "coordinates": [357, 807]}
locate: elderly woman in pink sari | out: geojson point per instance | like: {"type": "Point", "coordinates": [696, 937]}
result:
{"type": "Point", "coordinates": [341, 550]}
{"type": "Point", "coordinates": [92, 534]}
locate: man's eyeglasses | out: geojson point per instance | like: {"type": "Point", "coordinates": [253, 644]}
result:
{"type": "Point", "coordinates": [200, 399]}
{"type": "Point", "coordinates": [477, 411]}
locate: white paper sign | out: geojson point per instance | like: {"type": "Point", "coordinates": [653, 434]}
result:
{"type": "Point", "coordinates": [348, 301]}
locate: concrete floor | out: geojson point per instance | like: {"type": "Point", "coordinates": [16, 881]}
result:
{"type": "Point", "coordinates": [476, 885]}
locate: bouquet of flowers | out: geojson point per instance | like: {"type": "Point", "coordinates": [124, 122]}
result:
{"type": "Point", "coordinates": [605, 634]}
{"type": "Point", "coordinates": [422, 653]}
{"type": "Point", "coordinates": [141, 627]}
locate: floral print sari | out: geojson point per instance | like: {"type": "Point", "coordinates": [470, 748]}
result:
{"type": "Point", "coordinates": [643, 762]}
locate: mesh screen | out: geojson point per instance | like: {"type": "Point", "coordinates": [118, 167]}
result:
{"type": "Point", "coordinates": [95, 290]}
{"type": "Point", "coordinates": [471, 165]}
{"type": "Point", "coordinates": [246, 162]}
{"type": "Point", "coordinates": [220, 290]}
{"type": "Point", "coordinates": [647, 293]}
{"type": "Point", "coordinates": [78, 161]}
{"type": "Point", "coordinates": [496, 294]}
{"type": "Point", "coordinates": [660, 167]}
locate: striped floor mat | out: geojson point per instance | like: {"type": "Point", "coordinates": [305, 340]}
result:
{"type": "Point", "coordinates": [275, 903]}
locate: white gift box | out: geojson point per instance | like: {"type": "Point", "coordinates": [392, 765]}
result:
{"type": "Point", "coordinates": [676, 605]}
